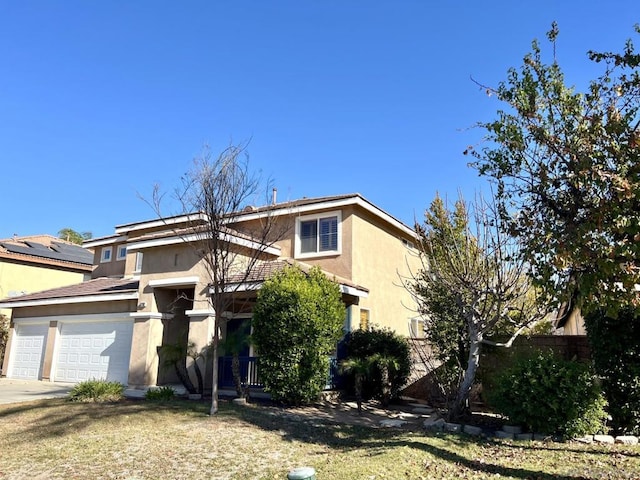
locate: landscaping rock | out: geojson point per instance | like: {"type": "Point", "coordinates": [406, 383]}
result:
{"type": "Point", "coordinates": [239, 401]}
{"type": "Point", "coordinates": [512, 429]}
{"type": "Point", "coordinates": [503, 434]}
{"type": "Point", "coordinates": [604, 439]}
{"type": "Point", "coordinates": [584, 439]}
{"type": "Point", "coordinates": [390, 422]}
{"type": "Point", "coordinates": [627, 440]}
{"type": "Point", "coordinates": [422, 411]}
{"type": "Point", "coordinates": [471, 430]}
{"type": "Point", "coordinates": [408, 416]}
{"type": "Point", "coordinates": [452, 427]}
{"type": "Point", "coordinates": [436, 424]}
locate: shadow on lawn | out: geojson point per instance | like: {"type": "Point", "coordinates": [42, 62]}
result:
{"type": "Point", "coordinates": [345, 437]}
{"type": "Point", "coordinates": [59, 417]}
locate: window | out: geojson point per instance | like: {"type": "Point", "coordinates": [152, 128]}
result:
{"type": "Point", "coordinates": [318, 235]}
{"type": "Point", "coordinates": [416, 326]}
{"type": "Point", "coordinates": [138, 267]}
{"type": "Point", "coordinates": [364, 319]}
{"type": "Point", "coordinates": [105, 254]}
{"type": "Point", "coordinates": [122, 252]}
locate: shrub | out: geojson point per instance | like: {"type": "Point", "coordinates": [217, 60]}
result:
{"type": "Point", "coordinates": [297, 322]}
{"type": "Point", "coordinates": [96, 391]}
{"type": "Point", "coordinates": [161, 394]}
{"type": "Point", "coordinates": [4, 335]}
{"type": "Point", "coordinates": [382, 343]}
{"type": "Point", "coordinates": [615, 348]}
{"type": "Point", "coordinates": [549, 395]}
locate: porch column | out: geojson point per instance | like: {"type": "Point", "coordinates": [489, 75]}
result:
{"type": "Point", "coordinates": [52, 335]}
{"type": "Point", "coordinates": [201, 325]}
{"type": "Point", "coordinates": [147, 338]}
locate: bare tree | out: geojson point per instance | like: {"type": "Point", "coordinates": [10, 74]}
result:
{"type": "Point", "coordinates": [473, 281]}
{"type": "Point", "coordinates": [217, 190]}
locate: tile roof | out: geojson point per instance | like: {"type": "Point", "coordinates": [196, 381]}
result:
{"type": "Point", "coordinates": [98, 286]}
{"type": "Point", "coordinates": [264, 270]}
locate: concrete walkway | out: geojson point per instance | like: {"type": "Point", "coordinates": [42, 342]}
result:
{"type": "Point", "coordinates": [15, 391]}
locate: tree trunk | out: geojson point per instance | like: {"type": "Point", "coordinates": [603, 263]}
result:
{"type": "Point", "coordinates": [386, 385]}
{"type": "Point", "coordinates": [460, 408]}
{"type": "Point", "coordinates": [214, 375]}
{"type": "Point", "coordinates": [184, 377]}
{"type": "Point", "coordinates": [198, 373]}
{"type": "Point", "coordinates": [358, 388]}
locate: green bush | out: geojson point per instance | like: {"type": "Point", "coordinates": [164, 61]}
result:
{"type": "Point", "coordinates": [550, 395]}
{"type": "Point", "coordinates": [615, 349]}
{"type": "Point", "coordinates": [161, 394]}
{"type": "Point", "coordinates": [96, 391]}
{"type": "Point", "coordinates": [297, 322]}
{"type": "Point", "coordinates": [363, 344]}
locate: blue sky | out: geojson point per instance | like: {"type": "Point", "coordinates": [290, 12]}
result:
{"type": "Point", "coordinates": [99, 101]}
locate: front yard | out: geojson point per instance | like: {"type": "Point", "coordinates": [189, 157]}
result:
{"type": "Point", "coordinates": [140, 440]}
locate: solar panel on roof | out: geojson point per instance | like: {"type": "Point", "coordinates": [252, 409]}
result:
{"type": "Point", "coordinates": [80, 256]}
{"type": "Point", "coordinates": [36, 245]}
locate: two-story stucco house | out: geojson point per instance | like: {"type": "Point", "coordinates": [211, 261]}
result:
{"type": "Point", "coordinates": [150, 288]}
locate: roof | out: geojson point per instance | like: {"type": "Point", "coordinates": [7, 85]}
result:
{"type": "Point", "coordinates": [284, 208]}
{"type": "Point", "coordinates": [99, 286]}
{"type": "Point", "coordinates": [310, 205]}
{"type": "Point", "coordinates": [264, 270]}
{"type": "Point", "coordinates": [47, 250]}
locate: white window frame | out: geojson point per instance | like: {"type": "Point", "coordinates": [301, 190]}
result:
{"type": "Point", "coordinates": [298, 240]}
{"type": "Point", "coordinates": [106, 254]}
{"type": "Point", "coordinates": [120, 256]}
{"type": "Point", "coordinates": [137, 268]}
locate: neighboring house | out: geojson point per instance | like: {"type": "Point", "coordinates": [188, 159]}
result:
{"type": "Point", "coordinates": [34, 263]}
{"type": "Point", "coordinates": [150, 288]}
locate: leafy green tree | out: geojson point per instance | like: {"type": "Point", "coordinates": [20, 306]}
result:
{"type": "Point", "coordinates": [297, 322]}
{"type": "Point", "coordinates": [72, 236]}
{"type": "Point", "coordinates": [566, 165]}
{"type": "Point", "coordinates": [472, 284]}
{"type": "Point", "coordinates": [550, 395]}
{"type": "Point", "coordinates": [615, 348]}
{"type": "Point", "coordinates": [360, 368]}
{"type": "Point", "coordinates": [387, 376]}
{"type": "Point", "coordinates": [4, 335]}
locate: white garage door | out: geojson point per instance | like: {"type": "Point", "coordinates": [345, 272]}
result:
{"type": "Point", "coordinates": [98, 350]}
{"type": "Point", "coordinates": [28, 350]}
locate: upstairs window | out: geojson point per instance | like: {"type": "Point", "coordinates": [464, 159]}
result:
{"type": "Point", "coordinates": [122, 253]}
{"type": "Point", "coordinates": [318, 235]}
{"type": "Point", "coordinates": [105, 254]}
{"type": "Point", "coordinates": [138, 266]}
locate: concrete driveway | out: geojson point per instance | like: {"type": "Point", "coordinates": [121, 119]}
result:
{"type": "Point", "coordinates": [14, 391]}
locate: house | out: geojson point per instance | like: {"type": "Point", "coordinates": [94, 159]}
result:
{"type": "Point", "coordinates": [150, 288]}
{"type": "Point", "coordinates": [38, 262]}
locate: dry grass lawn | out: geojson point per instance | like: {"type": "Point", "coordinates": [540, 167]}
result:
{"type": "Point", "coordinates": [55, 439]}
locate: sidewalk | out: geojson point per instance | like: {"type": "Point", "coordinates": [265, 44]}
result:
{"type": "Point", "coordinates": [14, 390]}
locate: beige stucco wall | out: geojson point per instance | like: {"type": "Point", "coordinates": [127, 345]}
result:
{"type": "Point", "coordinates": [381, 262]}
{"type": "Point", "coordinates": [575, 325]}
{"type": "Point", "coordinates": [17, 277]}
{"type": "Point", "coordinates": [112, 268]}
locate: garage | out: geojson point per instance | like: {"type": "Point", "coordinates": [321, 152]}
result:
{"type": "Point", "coordinates": [28, 351]}
{"type": "Point", "coordinates": [93, 350]}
